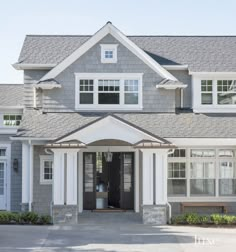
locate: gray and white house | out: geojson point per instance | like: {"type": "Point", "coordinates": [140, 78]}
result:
{"type": "Point", "coordinates": [109, 121]}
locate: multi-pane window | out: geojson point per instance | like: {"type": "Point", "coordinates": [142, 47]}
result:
{"type": "Point", "coordinates": [177, 178]}
{"type": "Point", "coordinates": [86, 91]}
{"type": "Point", "coordinates": [108, 54]}
{"type": "Point", "coordinates": [12, 120]}
{"type": "Point", "coordinates": [108, 91]}
{"type": "Point", "coordinates": [226, 153]}
{"type": "Point", "coordinates": [227, 180]}
{"type": "Point", "coordinates": [206, 92]}
{"type": "Point", "coordinates": [46, 169]}
{"type": "Point", "coordinates": [178, 153]}
{"type": "Point", "coordinates": [131, 91]}
{"type": "Point", "coordinates": [202, 178]}
{"type": "Point", "coordinates": [226, 92]}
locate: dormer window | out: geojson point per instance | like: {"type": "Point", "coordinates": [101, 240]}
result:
{"type": "Point", "coordinates": [109, 53]}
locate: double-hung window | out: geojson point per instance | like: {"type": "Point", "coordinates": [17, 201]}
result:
{"type": "Point", "coordinates": [46, 169]}
{"type": "Point", "coordinates": [206, 92]}
{"type": "Point", "coordinates": [177, 177]}
{"type": "Point", "coordinates": [11, 120]}
{"type": "Point", "coordinates": [108, 91]}
{"type": "Point", "coordinates": [202, 172]}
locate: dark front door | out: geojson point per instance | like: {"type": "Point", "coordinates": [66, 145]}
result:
{"type": "Point", "coordinates": [89, 196]}
{"type": "Point", "coordinates": [127, 180]}
{"type": "Point", "coordinates": [114, 181]}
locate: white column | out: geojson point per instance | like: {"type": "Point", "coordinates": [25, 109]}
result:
{"type": "Point", "coordinates": [80, 179]}
{"type": "Point", "coordinates": [161, 177]}
{"type": "Point", "coordinates": [147, 171]}
{"type": "Point", "coordinates": [25, 173]}
{"type": "Point", "coordinates": [71, 177]}
{"type": "Point", "coordinates": [58, 177]}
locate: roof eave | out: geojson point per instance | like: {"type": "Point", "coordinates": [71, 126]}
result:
{"type": "Point", "coordinates": [21, 66]}
{"type": "Point", "coordinates": [171, 87]}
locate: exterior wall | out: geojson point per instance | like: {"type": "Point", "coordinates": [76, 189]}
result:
{"type": "Point", "coordinates": [154, 100]}
{"type": "Point", "coordinates": [16, 176]}
{"type": "Point", "coordinates": [183, 76]}
{"type": "Point", "coordinates": [176, 209]}
{"type": "Point", "coordinates": [31, 77]}
{"type": "Point", "coordinates": [42, 194]}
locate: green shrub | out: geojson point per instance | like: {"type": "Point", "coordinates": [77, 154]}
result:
{"type": "Point", "coordinates": [45, 219]}
{"type": "Point", "coordinates": [228, 219]}
{"type": "Point", "coordinates": [180, 219]}
{"type": "Point", "coordinates": [29, 217]}
{"type": "Point", "coordinates": [217, 219]}
{"type": "Point", "coordinates": [193, 218]}
{"type": "Point", "coordinates": [204, 219]}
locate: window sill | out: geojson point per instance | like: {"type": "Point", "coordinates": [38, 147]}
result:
{"type": "Point", "coordinates": [109, 107]}
{"type": "Point", "coordinates": [202, 199]}
{"type": "Point", "coordinates": [45, 182]}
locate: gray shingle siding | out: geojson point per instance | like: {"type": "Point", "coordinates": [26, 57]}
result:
{"type": "Point", "coordinates": [16, 176]}
{"type": "Point", "coordinates": [30, 78]}
{"type": "Point", "coordinates": [153, 100]}
{"type": "Point", "coordinates": [42, 194]}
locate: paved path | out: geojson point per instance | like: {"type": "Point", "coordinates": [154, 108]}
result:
{"type": "Point", "coordinates": [121, 232]}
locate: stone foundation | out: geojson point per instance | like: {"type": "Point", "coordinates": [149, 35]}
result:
{"type": "Point", "coordinates": [154, 214]}
{"type": "Point", "coordinates": [64, 214]}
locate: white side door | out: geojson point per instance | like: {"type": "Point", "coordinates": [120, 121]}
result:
{"type": "Point", "coordinates": [3, 182]}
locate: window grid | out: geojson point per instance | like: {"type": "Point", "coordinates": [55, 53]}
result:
{"type": "Point", "coordinates": [206, 92]}
{"type": "Point", "coordinates": [222, 185]}
{"type": "Point", "coordinates": [108, 54]}
{"type": "Point", "coordinates": [111, 86]}
{"type": "Point", "coordinates": [12, 120]}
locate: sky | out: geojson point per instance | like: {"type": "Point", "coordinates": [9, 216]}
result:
{"type": "Point", "coordinates": [132, 17]}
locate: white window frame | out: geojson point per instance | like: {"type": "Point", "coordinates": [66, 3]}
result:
{"type": "Point", "coordinates": [188, 159]}
{"type": "Point", "coordinates": [109, 76]}
{"type": "Point", "coordinates": [44, 158]}
{"type": "Point", "coordinates": [109, 47]}
{"type": "Point", "coordinates": [197, 106]}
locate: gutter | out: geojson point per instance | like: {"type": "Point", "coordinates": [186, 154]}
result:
{"type": "Point", "coordinates": [31, 138]}
{"type": "Point", "coordinates": [20, 66]}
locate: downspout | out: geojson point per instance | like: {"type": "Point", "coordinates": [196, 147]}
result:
{"type": "Point", "coordinates": [181, 98]}
{"type": "Point", "coordinates": [169, 212]}
{"type": "Point", "coordinates": [34, 97]}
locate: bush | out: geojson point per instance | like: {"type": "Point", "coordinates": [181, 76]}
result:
{"type": "Point", "coordinates": [24, 218]}
{"type": "Point", "coordinates": [194, 219]}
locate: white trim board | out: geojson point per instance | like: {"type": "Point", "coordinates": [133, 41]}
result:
{"type": "Point", "coordinates": [105, 30]}
{"type": "Point", "coordinates": [202, 141]}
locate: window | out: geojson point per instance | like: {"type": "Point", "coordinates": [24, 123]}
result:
{"type": "Point", "coordinates": [226, 153]}
{"type": "Point", "coordinates": [202, 178]}
{"type": "Point", "coordinates": [86, 91]}
{"type": "Point", "coordinates": [206, 92]}
{"type": "Point", "coordinates": [227, 181]}
{"type": "Point", "coordinates": [109, 53]}
{"type": "Point", "coordinates": [108, 91]}
{"type": "Point", "coordinates": [226, 92]}
{"type": "Point", "coordinates": [46, 169]}
{"type": "Point", "coordinates": [2, 152]}
{"type": "Point", "coordinates": [177, 179]}
{"type": "Point", "coordinates": [178, 153]}
{"type": "Point", "coordinates": [12, 120]}
{"type": "Point", "coordinates": [131, 91]}
{"type": "Point", "coordinates": [202, 153]}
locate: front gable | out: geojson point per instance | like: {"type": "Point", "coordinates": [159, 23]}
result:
{"type": "Point", "coordinates": [104, 31]}
{"type": "Point", "coordinates": [110, 128]}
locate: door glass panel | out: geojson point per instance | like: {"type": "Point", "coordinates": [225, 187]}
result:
{"type": "Point", "coordinates": [89, 176]}
{"type": "Point", "coordinates": [1, 178]}
{"type": "Point", "coordinates": [127, 172]}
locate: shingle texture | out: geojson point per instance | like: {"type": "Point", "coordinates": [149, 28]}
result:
{"type": "Point", "coordinates": [200, 53]}
{"type": "Point", "coordinates": [165, 125]}
{"type": "Point", "coordinates": [11, 94]}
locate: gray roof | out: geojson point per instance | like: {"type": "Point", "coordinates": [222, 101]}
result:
{"type": "Point", "coordinates": [200, 53]}
{"type": "Point", "coordinates": [11, 94]}
{"type": "Point", "coordinates": [164, 125]}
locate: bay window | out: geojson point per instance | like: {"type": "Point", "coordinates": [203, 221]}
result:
{"type": "Point", "coordinates": [108, 91]}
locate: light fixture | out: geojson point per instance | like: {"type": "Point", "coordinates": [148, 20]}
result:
{"type": "Point", "coordinates": [108, 156]}
{"type": "Point", "coordinates": [15, 165]}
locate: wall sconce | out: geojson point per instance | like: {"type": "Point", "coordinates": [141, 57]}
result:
{"type": "Point", "coordinates": [15, 164]}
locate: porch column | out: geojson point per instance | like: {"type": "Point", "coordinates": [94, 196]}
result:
{"type": "Point", "coordinates": [154, 186]}
{"type": "Point", "coordinates": [65, 188]}
{"type": "Point", "coordinates": [27, 176]}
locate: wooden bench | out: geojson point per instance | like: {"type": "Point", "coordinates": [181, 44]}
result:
{"type": "Point", "coordinates": [204, 204]}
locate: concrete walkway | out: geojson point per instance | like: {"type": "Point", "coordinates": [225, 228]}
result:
{"type": "Point", "coordinates": [123, 232]}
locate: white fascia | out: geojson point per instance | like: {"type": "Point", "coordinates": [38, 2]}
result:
{"type": "Point", "coordinates": [202, 141]}
{"type": "Point", "coordinates": [175, 67]}
{"type": "Point", "coordinates": [105, 30]}
{"type": "Point", "coordinates": [171, 86]}
{"type": "Point", "coordinates": [19, 66]}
